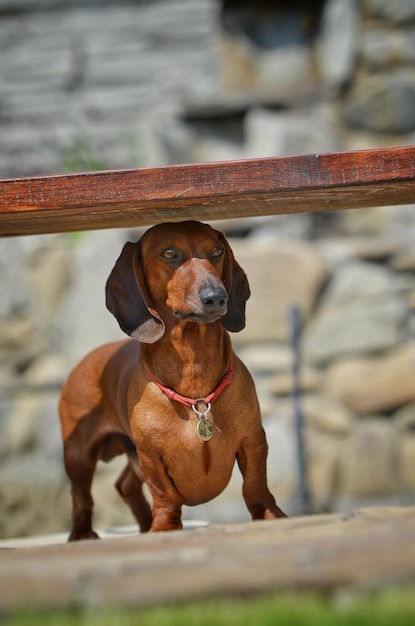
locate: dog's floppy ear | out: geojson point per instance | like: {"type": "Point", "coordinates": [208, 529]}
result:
{"type": "Point", "coordinates": [127, 299]}
{"type": "Point", "coordinates": [237, 286]}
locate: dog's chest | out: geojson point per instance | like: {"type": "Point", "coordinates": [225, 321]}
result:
{"type": "Point", "coordinates": [200, 474]}
{"type": "Point", "coordinates": [200, 470]}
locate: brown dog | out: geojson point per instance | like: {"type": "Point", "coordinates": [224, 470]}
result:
{"type": "Point", "coordinates": [175, 399]}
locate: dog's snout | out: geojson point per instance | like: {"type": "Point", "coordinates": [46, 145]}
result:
{"type": "Point", "coordinates": [214, 299]}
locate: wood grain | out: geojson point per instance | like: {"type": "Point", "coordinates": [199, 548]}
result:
{"type": "Point", "coordinates": [371, 549]}
{"type": "Point", "coordinates": [207, 191]}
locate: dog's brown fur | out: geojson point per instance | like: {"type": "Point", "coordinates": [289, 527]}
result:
{"type": "Point", "coordinates": [176, 291]}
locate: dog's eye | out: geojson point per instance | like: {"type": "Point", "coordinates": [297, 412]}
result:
{"type": "Point", "coordinates": [217, 251]}
{"type": "Point", "coordinates": [169, 254]}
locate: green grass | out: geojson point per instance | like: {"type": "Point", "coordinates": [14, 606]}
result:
{"type": "Point", "coordinates": [396, 608]}
{"type": "Point", "coordinates": [82, 156]}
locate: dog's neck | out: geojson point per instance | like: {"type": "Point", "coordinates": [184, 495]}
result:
{"type": "Point", "coordinates": [203, 350]}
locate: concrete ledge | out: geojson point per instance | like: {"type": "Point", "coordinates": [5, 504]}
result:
{"type": "Point", "coordinates": [372, 548]}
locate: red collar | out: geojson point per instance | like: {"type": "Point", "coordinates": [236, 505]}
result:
{"type": "Point", "coordinates": [173, 395]}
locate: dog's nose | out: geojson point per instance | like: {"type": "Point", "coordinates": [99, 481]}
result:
{"type": "Point", "coordinates": [214, 299]}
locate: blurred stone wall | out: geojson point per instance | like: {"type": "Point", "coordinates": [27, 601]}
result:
{"type": "Point", "coordinates": [91, 85]}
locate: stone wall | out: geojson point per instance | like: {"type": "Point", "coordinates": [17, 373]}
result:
{"type": "Point", "coordinates": [89, 84]}
{"type": "Point", "coordinates": [106, 84]}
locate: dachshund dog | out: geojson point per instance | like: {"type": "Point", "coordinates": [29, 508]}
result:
{"type": "Point", "coordinates": [175, 398]}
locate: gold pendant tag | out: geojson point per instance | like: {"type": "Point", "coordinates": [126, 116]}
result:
{"type": "Point", "coordinates": [204, 429]}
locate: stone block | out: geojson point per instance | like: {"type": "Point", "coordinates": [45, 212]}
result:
{"type": "Point", "coordinates": [374, 385]}
{"type": "Point", "coordinates": [295, 274]}
{"type": "Point", "coordinates": [368, 460]}
{"type": "Point", "coordinates": [404, 419]}
{"type": "Point", "coordinates": [383, 103]}
{"type": "Point", "coordinates": [327, 416]}
{"type": "Point", "coordinates": [283, 383]}
{"type": "Point", "coordinates": [407, 462]}
{"type": "Point", "coordinates": [398, 11]}
{"type": "Point", "coordinates": [337, 47]}
{"type": "Point", "coordinates": [360, 312]}
{"type": "Point", "coordinates": [273, 133]}
{"type": "Point", "coordinates": [84, 321]}
{"type": "Point", "coordinates": [22, 425]}
{"type": "Point", "coordinates": [323, 454]}
{"type": "Point", "coordinates": [383, 49]}
{"type": "Point", "coordinates": [264, 358]}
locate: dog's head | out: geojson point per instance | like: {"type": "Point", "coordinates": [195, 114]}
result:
{"type": "Point", "coordinates": [178, 271]}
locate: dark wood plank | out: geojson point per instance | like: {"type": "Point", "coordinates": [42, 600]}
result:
{"type": "Point", "coordinates": [315, 182]}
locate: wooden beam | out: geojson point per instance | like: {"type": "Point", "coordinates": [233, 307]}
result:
{"type": "Point", "coordinates": [207, 191]}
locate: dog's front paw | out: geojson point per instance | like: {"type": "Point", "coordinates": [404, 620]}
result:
{"type": "Point", "coordinates": [275, 513]}
{"type": "Point", "coordinates": [79, 535]}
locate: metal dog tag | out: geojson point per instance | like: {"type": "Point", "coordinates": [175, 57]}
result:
{"type": "Point", "coordinates": [204, 429]}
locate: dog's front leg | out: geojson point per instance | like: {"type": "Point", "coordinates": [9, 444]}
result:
{"type": "Point", "coordinates": [167, 502]}
{"type": "Point", "coordinates": [252, 459]}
